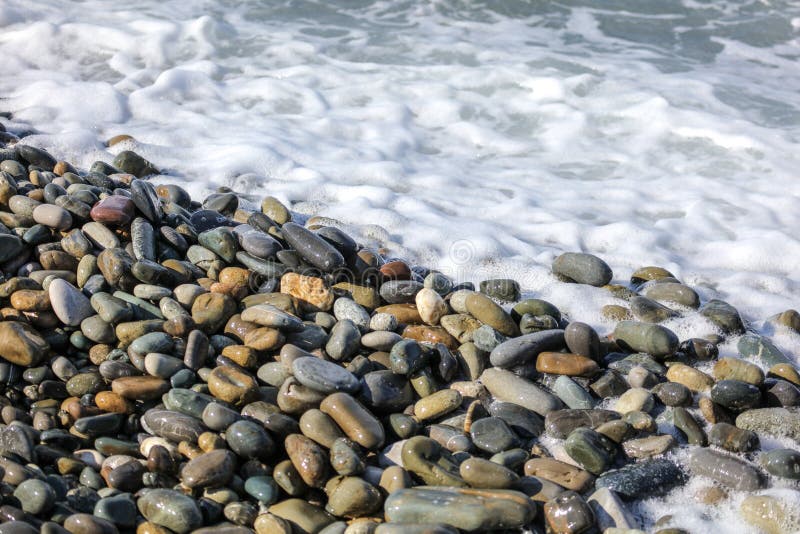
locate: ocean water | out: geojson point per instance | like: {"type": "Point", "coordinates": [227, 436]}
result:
{"type": "Point", "coordinates": [482, 138]}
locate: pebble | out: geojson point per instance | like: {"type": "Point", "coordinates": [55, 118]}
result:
{"type": "Point", "coordinates": [650, 477]}
{"type": "Point", "coordinates": [784, 463]}
{"type": "Point", "coordinates": [643, 337]}
{"type": "Point", "coordinates": [466, 509]}
{"type": "Point", "coordinates": [506, 386]}
{"type": "Point", "coordinates": [170, 509]}
{"type": "Point", "coordinates": [582, 268]}
{"type": "Point", "coordinates": [729, 471]}
{"type": "Point", "coordinates": [324, 376]}
{"type": "Point", "coordinates": [568, 513]}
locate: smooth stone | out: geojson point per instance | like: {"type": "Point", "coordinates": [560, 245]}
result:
{"type": "Point", "coordinates": [380, 340]}
{"type": "Point", "coordinates": [736, 395]}
{"type": "Point", "coordinates": [35, 496]}
{"type": "Point", "coordinates": [506, 386]}
{"type": "Point", "coordinates": [519, 350]}
{"type": "Point", "coordinates": [672, 394]}
{"type": "Point", "coordinates": [221, 241]}
{"type": "Point", "coordinates": [723, 315]}
{"type": "Point", "coordinates": [249, 440]}
{"type": "Point", "coordinates": [111, 309]}
{"type": "Point", "coordinates": [754, 347]}
{"type": "Point", "coordinates": [319, 427]}
{"type": "Point", "coordinates": [784, 463]}
{"type": "Point", "coordinates": [522, 421]}
{"type": "Point", "coordinates": [140, 387]}
{"type": "Point", "coordinates": [643, 337]}
{"type": "Point", "coordinates": [352, 497]}
{"type": "Point", "coordinates": [492, 434]}
{"type": "Point", "coordinates": [10, 247]}
{"type": "Point", "coordinates": [308, 458]}
{"type": "Point", "coordinates": [232, 385]}
{"type": "Point", "coordinates": [593, 451]}
{"type": "Point", "coordinates": [781, 422]}
{"type": "Point", "coordinates": [583, 268]}
{"type": "Point", "coordinates": [686, 423]}
{"type": "Point", "coordinates": [572, 394]}
{"type": "Point", "coordinates": [488, 312]}
{"type": "Point", "coordinates": [117, 509]}
{"type": "Point", "coordinates": [471, 510]}
{"type": "Point", "coordinates": [769, 514]}
{"type": "Point", "coordinates": [259, 244]}
{"type": "Point", "coordinates": [480, 473]}
{"type": "Point", "coordinates": [346, 458]}
{"type": "Point", "coordinates": [304, 517]}
{"type": "Point", "coordinates": [437, 405]}
{"type": "Point", "coordinates": [690, 377]}
{"type": "Point", "coordinates": [314, 249]}
{"type": "Point", "coordinates": [262, 488]}
{"type": "Point", "coordinates": [427, 459]}
{"type": "Point", "coordinates": [650, 477]}
{"type": "Point", "coordinates": [673, 292]}
{"type": "Point", "coordinates": [21, 344]}
{"type": "Point", "coordinates": [649, 446]}
{"type": "Point", "coordinates": [645, 274]}
{"type": "Point", "coordinates": [502, 289]}
{"type": "Point", "coordinates": [173, 426]}
{"type": "Point", "coordinates": [650, 311]}
{"type": "Point", "coordinates": [461, 326]}
{"type": "Point", "coordinates": [568, 513]}
{"type": "Point", "coordinates": [219, 417]}
{"type": "Point", "coordinates": [561, 473]}
{"type": "Point", "coordinates": [386, 391]}
{"type": "Point", "coordinates": [170, 509]}
{"type": "Point", "coordinates": [345, 308]}
{"type": "Point", "coordinates": [324, 376]}
{"type": "Point", "coordinates": [634, 400]}
{"type": "Point", "coordinates": [582, 339]}
{"type": "Point", "coordinates": [213, 468]}
{"type": "Point", "coordinates": [431, 305]}
{"type": "Point", "coordinates": [83, 523]}
{"type": "Point", "coordinates": [357, 422]}
{"type": "Point", "coordinates": [114, 209]}
{"type": "Point", "coordinates": [728, 470]}
{"type": "Point", "coordinates": [400, 291]}
{"type": "Point", "coordinates": [610, 511]}
{"type": "Point", "coordinates": [344, 340]}
{"type": "Point", "coordinates": [731, 438]}
{"type": "Point", "coordinates": [36, 156]}
{"type": "Point", "coordinates": [52, 216]}
{"type": "Point", "coordinates": [566, 364]}
{"type": "Point", "coordinates": [560, 423]}
{"type": "Point", "coordinates": [210, 311]}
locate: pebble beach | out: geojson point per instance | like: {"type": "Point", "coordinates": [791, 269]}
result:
{"type": "Point", "coordinates": [180, 365]}
{"type": "Point", "coordinates": [399, 267]}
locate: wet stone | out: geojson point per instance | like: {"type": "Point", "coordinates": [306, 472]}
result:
{"type": "Point", "coordinates": [582, 268]}
{"type": "Point", "coordinates": [651, 477]}
{"type": "Point", "coordinates": [784, 463]}
{"type": "Point", "coordinates": [728, 470]}
{"type": "Point", "coordinates": [492, 434]}
{"type": "Point", "coordinates": [731, 438]}
{"type": "Point", "coordinates": [568, 513]}
{"type": "Point", "coordinates": [736, 395]}
{"type": "Point", "coordinates": [519, 350]}
{"type": "Point", "coordinates": [472, 510]}
{"type": "Point", "coordinates": [591, 450]}
{"type": "Point", "coordinates": [643, 337]}
{"type": "Point", "coordinates": [170, 509]}
{"type": "Point", "coordinates": [324, 376]}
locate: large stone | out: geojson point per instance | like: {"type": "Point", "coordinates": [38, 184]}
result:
{"type": "Point", "coordinates": [727, 470]}
{"type": "Point", "coordinates": [523, 349]}
{"type": "Point", "coordinates": [471, 510]}
{"type": "Point", "coordinates": [506, 386]}
{"type": "Point", "coordinates": [313, 293]}
{"type": "Point", "coordinates": [21, 344]}
{"type": "Point", "coordinates": [583, 268]}
{"type": "Point", "coordinates": [69, 304]}
{"type": "Point", "coordinates": [643, 337]}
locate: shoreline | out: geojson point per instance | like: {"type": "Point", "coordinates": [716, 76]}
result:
{"type": "Point", "coordinates": [178, 364]}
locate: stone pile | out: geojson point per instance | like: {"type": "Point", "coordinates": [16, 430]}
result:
{"type": "Point", "coordinates": [171, 365]}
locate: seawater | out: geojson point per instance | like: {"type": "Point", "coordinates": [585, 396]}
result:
{"type": "Point", "coordinates": [482, 138]}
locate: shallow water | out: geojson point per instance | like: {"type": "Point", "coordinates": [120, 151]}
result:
{"type": "Point", "coordinates": [480, 138]}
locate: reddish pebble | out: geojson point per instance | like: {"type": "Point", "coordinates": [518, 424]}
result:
{"type": "Point", "coordinates": [115, 209]}
{"type": "Point", "coordinates": [396, 270]}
